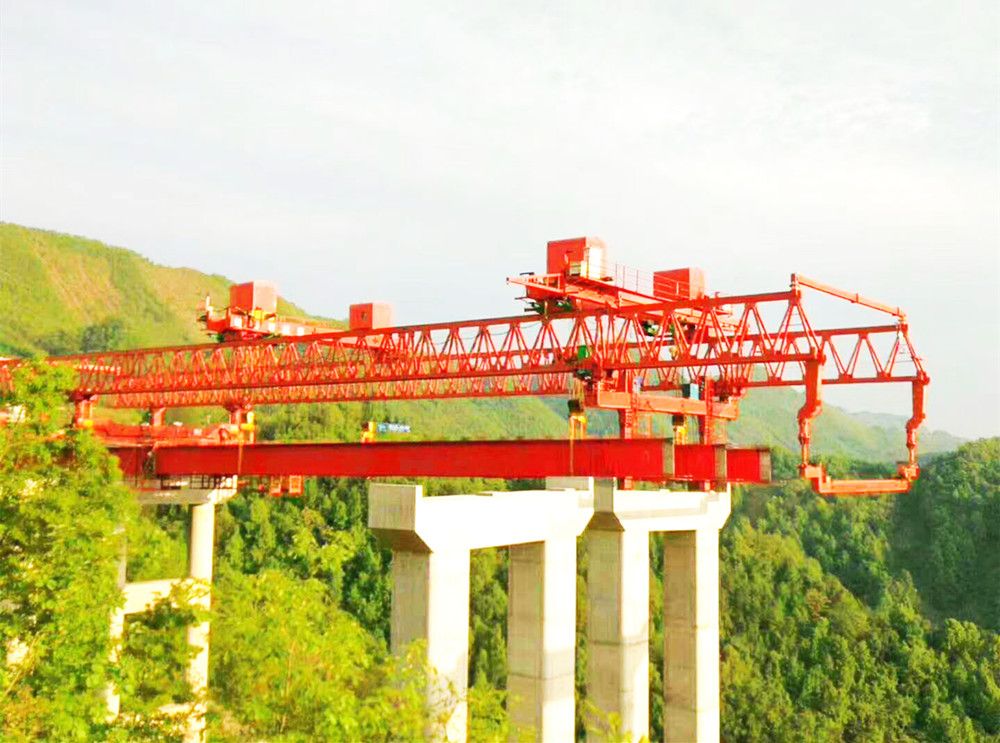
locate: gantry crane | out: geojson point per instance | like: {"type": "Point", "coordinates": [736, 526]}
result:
{"type": "Point", "coordinates": [602, 335]}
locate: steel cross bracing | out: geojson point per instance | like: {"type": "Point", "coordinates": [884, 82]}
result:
{"type": "Point", "coordinates": [619, 356]}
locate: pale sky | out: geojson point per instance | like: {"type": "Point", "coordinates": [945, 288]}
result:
{"type": "Point", "coordinates": [420, 153]}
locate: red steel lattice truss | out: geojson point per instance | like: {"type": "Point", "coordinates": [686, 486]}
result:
{"type": "Point", "coordinates": [620, 355]}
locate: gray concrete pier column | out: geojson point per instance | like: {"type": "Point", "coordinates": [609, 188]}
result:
{"type": "Point", "coordinates": [618, 628]}
{"type": "Point", "coordinates": [111, 696]}
{"type": "Point", "coordinates": [430, 602]}
{"type": "Point", "coordinates": [617, 615]}
{"type": "Point", "coordinates": [201, 543]}
{"type": "Point", "coordinates": [541, 637]}
{"type": "Point", "coordinates": [691, 636]}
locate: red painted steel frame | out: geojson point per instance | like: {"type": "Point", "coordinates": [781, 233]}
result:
{"type": "Point", "coordinates": [620, 357]}
{"type": "Point", "coordinates": [641, 459]}
{"type": "Point", "coordinates": [525, 355]}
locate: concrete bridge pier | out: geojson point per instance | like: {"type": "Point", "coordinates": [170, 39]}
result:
{"type": "Point", "coordinates": [142, 595]}
{"type": "Point", "coordinates": [618, 608]}
{"type": "Point", "coordinates": [691, 635]}
{"type": "Point", "coordinates": [541, 654]}
{"type": "Point", "coordinates": [431, 540]}
{"type": "Point", "coordinates": [430, 602]}
{"type": "Point", "coordinates": [201, 547]}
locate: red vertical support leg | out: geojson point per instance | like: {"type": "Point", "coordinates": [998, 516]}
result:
{"type": "Point", "coordinates": [911, 469]}
{"type": "Point", "coordinates": [243, 421]}
{"type": "Point", "coordinates": [626, 430]}
{"type": "Point", "coordinates": [157, 416]}
{"type": "Point", "coordinates": [706, 426]}
{"type": "Point", "coordinates": [813, 406]}
{"type": "Point", "coordinates": [83, 413]}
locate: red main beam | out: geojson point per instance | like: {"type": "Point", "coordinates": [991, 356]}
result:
{"type": "Point", "coordinates": [641, 459]}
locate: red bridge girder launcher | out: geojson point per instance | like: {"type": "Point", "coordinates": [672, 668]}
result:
{"type": "Point", "coordinates": [602, 335]}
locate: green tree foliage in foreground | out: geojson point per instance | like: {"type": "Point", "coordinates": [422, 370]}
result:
{"type": "Point", "coordinates": [289, 665]}
{"type": "Point", "coordinates": [287, 662]}
{"type": "Point", "coordinates": [63, 515]}
{"type": "Point", "coordinates": [65, 518]}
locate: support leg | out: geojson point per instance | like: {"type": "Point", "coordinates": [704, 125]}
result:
{"type": "Point", "coordinates": [691, 636]}
{"type": "Point", "coordinates": [200, 548]}
{"type": "Point", "coordinates": [111, 695]}
{"type": "Point", "coordinates": [618, 627]}
{"type": "Point", "coordinates": [430, 602]}
{"type": "Point", "coordinates": [541, 632]}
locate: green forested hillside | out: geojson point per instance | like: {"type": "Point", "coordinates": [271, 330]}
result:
{"type": "Point", "coordinates": [947, 535]}
{"type": "Point", "coordinates": [769, 418]}
{"type": "Point", "coordinates": [850, 620]}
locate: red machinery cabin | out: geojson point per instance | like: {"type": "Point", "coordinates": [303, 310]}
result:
{"type": "Point", "coordinates": [252, 314]}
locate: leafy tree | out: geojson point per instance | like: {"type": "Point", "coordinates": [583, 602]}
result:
{"type": "Point", "coordinates": [948, 530]}
{"type": "Point", "coordinates": [109, 335]}
{"type": "Point", "coordinates": [60, 343]}
{"type": "Point", "coordinates": [63, 516]}
{"type": "Point", "coordinates": [488, 638]}
{"type": "Point", "coordinates": [289, 665]}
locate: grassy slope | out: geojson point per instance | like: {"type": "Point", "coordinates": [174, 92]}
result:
{"type": "Point", "coordinates": [52, 286]}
